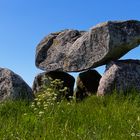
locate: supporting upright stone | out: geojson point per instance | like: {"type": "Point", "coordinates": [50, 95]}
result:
{"type": "Point", "coordinates": [44, 78]}
{"type": "Point", "coordinates": [87, 84]}
{"type": "Point", "coordinates": [121, 76]}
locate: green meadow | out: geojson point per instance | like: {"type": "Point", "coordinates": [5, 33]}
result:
{"type": "Point", "coordinates": [114, 117]}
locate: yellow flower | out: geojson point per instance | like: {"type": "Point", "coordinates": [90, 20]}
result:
{"type": "Point", "coordinates": [36, 99]}
{"type": "Point", "coordinates": [38, 103]}
{"type": "Point", "coordinates": [45, 105]}
{"type": "Point", "coordinates": [35, 109]}
{"type": "Point", "coordinates": [45, 108]}
{"type": "Point", "coordinates": [138, 118]}
{"type": "Point", "coordinates": [49, 89]}
{"type": "Point", "coordinates": [32, 106]}
{"type": "Point", "coordinates": [41, 112]}
{"type": "Point", "coordinates": [25, 114]}
{"type": "Point", "coordinates": [65, 88]}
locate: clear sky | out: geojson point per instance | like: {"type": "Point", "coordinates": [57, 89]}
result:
{"type": "Point", "coordinates": [23, 23]}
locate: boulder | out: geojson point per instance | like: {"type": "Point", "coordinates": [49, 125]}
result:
{"type": "Point", "coordinates": [120, 76]}
{"type": "Point", "coordinates": [103, 43]}
{"type": "Point", "coordinates": [73, 51]}
{"type": "Point", "coordinates": [46, 77]}
{"type": "Point", "coordinates": [52, 50]}
{"type": "Point", "coordinates": [12, 86]}
{"type": "Point", "coordinates": [87, 84]}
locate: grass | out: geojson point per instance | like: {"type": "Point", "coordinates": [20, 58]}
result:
{"type": "Point", "coordinates": [96, 118]}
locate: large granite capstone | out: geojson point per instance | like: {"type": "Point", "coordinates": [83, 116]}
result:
{"type": "Point", "coordinates": [74, 51]}
{"type": "Point", "coordinates": [103, 43]}
{"type": "Point", "coordinates": [53, 49]}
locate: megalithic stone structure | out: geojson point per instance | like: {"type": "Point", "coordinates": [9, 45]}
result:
{"type": "Point", "coordinates": [74, 51]}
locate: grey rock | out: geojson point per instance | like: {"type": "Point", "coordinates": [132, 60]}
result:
{"type": "Point", "coordinates": [73, 51]}
{"type": "Point", "coordinates": [87, 84]}
{"type": "Point", "coordinates": [46, 77]}
{"type": "Point", "coordinates": [12, 86]}
{"type": "Point", "coordinates": [120, 76]}
{"type": "Point", "coordinates": [52, 51]}
{"type": "Point", "coordinates": [103, 43]}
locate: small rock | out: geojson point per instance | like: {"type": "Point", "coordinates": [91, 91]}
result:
{"type": "Point", "coordinates": [121, 76]}
{"type": "Point", "coordinates": [12, 86]}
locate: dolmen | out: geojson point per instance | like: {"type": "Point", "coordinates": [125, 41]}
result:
{"type": "Point", "coordinates": [82, 51]}
{"type": "Point", "coordinates": [66, 51]}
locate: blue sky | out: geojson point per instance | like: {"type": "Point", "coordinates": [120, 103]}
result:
{"type": "Point", "coordinates": [23, 23]}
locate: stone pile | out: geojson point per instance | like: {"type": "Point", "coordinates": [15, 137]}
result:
{"type": "Point", "coordinates": [78, 51]}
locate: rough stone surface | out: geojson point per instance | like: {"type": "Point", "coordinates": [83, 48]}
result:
{"type": "Point", "coordinates": [52, 50]}
{"type": "Point", "coordinates": [44, 78]}
{"type": "Point", "coordinates": [71, 50]}
{"type": "Point", "coordinates": [103, 43]}
{"type": "Point", "coordinates": [121, 76]}
{"type": "Point", "coordinates": [12, 86]}
{"type": "Point", "coordinates": [87, 84]}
